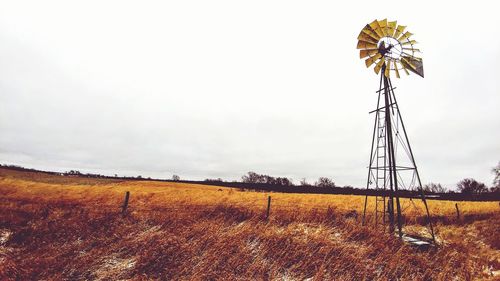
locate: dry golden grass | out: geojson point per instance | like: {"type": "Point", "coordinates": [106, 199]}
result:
{"type": "Point", "coordinates": [54, 227]}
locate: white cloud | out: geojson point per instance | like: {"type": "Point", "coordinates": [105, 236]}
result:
{"type": "Point", "coordinates": [217, 88]}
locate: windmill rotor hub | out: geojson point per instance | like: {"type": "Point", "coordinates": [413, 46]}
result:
{"type": "Point", "coordinates": [390, 48]}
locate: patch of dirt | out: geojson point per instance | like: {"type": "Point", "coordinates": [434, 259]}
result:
{"type": "Point", "coordinates": [114, 267]}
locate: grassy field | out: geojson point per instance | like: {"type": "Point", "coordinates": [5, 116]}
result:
{"type": "Point", "coordinates": [56, 228]}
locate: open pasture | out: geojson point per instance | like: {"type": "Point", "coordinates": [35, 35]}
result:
{"type": "Point", "coordinates": [54, 227]}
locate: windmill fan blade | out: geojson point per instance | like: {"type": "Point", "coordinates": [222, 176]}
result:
{"type": "Point", "coordinates": [399, 30]}
{"type": "Point", "coordinates": [379, 65]}
{"type": "Point", "coordinates": [366, 45]}
{"type": "Point", "coordinates": [367, 52]}
{"type": "Point", "coordinates": [370, 32]}
{"type": "Point", "coordinates": [406, 35]}
{"type": "Point", "coordinates": [396, 69]}
{"type": "Point", "coordinates": [391, 28]}
{"type": "Point", "coordinates": [413, 64]}
{"type": "Point", "coordinates": [383, 26]}
{"type": "Point", "coordinates": [406, 70]}
{"type": "Point", "coordinates": [364, 41]}
{"type": "Point", "coordinates": [387, 71]}
{"type": "Point", "coordinates": [372, 60]}
{"type": "Point", "coordinates": [376, 27]}
{"type": "Point", "coordinates": [412, 49]}
{"type": "Point", "coordinates": [410, 42]}
{"type": "Point", "coordinates": [366, 38]}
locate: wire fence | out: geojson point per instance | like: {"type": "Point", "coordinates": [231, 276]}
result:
{"type": "Point", "coordinates": [102, 206]}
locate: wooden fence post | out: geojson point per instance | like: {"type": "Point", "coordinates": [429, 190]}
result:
{"type": "Point", "coordinates": [268, 207]}
{"type": "Point", "coordinates": [458, 211]}
{"type": "Point", "coordinates": [125, 203]}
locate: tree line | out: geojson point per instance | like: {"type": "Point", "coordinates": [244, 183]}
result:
{"type": "Point", "coordinates": [253, 177]}
{"type": "Point", "coordinates": [467, 186]}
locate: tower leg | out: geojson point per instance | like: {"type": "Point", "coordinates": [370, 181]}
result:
{"type": "Point", "coordinates": [412, 158]}
{"type": "Point", "coordinates": [392, 160]}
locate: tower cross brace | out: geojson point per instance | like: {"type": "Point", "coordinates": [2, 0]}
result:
{"type": "Point", "coordinates": [384, 171]}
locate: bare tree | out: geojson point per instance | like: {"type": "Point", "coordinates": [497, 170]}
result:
{"type": "Point", "coordinates": [496, 172]}
{"type": "Point", "coordinates": [176, 178]}
{"type": "Point", "coordinates": [324, 182]}
{"type": "Point", "coordinates": [214, 180]}
{"type": "Point", "coordinates": [252, 177]}
{"type": "Point", "coordinates": [73, 173]}
{"type": "Point", "coordinates": [434, 187]}
{"type": "Point", "coordinates": [471, 186]}
{"type": "Point", "coordinates": [283, 181]}
{"type": "Point", "coordinates": [303, 182]}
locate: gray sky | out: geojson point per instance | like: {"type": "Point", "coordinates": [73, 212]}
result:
{"type": "Point", "coordinates": [208, 89]}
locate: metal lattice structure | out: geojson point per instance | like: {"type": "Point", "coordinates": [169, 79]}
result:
{"type": "Point", "coordinates": [392, 165]}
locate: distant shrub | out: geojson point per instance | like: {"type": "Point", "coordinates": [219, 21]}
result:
{"type": "Point", "coordinates": [471, 186]}
{"type": "Point", "coordinates": [324, 182]}
{"type": "Point", "coordinates": [73, 173]}
{"type": "Point", "coordinates": [214, 180]}
{"type": "Point", "coordinates": [253, 177]}
{"type": "Point", "coordinates": [434, 187]}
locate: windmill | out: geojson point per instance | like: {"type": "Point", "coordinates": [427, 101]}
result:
{"type": "Point", "coordinates": [388, 47]}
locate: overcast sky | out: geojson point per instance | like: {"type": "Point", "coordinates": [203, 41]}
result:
{"type": "Point", "coordinates": [207, 89]}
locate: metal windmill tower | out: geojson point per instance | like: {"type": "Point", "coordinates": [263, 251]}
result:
{"type": "Point", "coordinates": [392, 164]}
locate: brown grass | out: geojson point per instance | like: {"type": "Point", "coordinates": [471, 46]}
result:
{"type": "Point", "coordinates": [55, 228]}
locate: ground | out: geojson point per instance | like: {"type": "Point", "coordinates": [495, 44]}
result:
{"type": "Point", "coordinates": [72, 228]}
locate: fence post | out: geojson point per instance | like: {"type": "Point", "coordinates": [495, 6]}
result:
{"type": "Point", "coordinates": [458, 211]}
{"type": "Point", "coordinates": [268, 207]}
{"type": "Point", "coordinates": [125, 203]}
